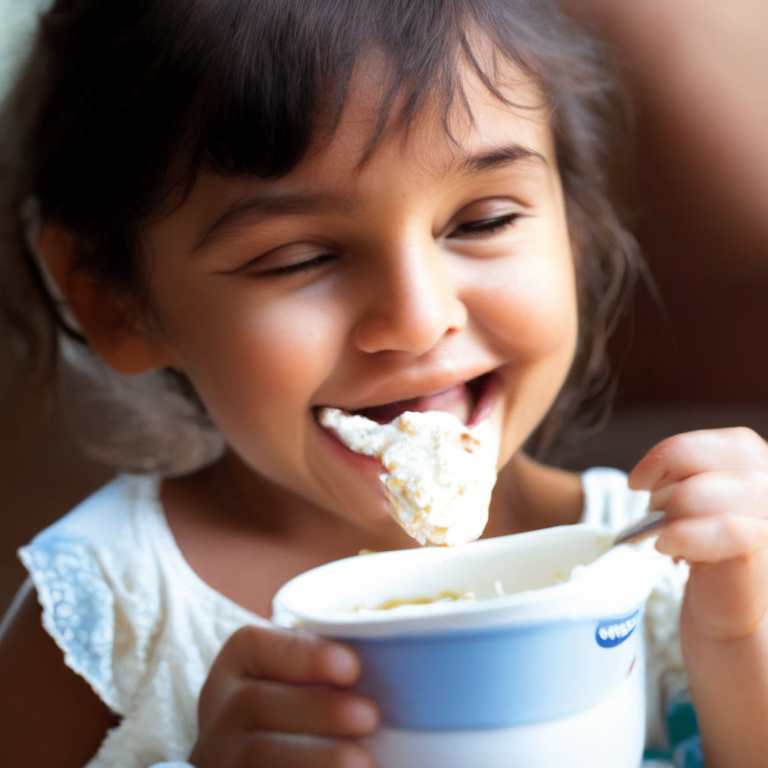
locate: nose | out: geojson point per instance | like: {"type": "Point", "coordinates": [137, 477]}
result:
{"type": "Point", "coordinates": [411, 301]}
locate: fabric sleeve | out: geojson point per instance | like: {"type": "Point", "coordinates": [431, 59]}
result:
{"type": "Point", "coordinates": [610, 502]}
{"type": "Point", "coordinates": [664, 666]}
{"type": "Point", "coordinates": [78, 608]}
{"type": "Point", "coordinates": [172, 765]}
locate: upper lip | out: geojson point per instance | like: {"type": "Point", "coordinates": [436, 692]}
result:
{"type": "Point", "coordinates": [416, 386]}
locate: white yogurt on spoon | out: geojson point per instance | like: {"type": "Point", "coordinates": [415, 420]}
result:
{"type": "Point", "coordinates": [439, 473]}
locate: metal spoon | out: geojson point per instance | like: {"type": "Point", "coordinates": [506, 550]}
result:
{"type": "Point", "coordinates": [642, 527]}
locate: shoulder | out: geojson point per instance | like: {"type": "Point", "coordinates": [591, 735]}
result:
{"type": "Point", "coordinates": [50, 714]}
{"type": "Point", "coordinates": [94, 575]}
{"type": "Point", "coordinates": [608, 500]}
{"type": "Point", "coordinates": [104, 535]}
{"type": "Point", "coordinates": [113, 510]}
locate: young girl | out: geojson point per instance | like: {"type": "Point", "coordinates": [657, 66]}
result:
{"type": "Point", "coordinates": [375, 205]}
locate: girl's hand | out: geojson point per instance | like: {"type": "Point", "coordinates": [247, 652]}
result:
{"type": "Point", "coordinates": [273, 699]}
{"type": "Point", "coordinates": [713, 485]}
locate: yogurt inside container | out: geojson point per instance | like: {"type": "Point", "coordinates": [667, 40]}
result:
{"type": "Point", "coordinates": [543, 668]}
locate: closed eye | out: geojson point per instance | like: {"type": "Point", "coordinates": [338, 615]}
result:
{"type": "Point", "coordinates": [485, 226]}
{"type": "Point", "coordinates": [299, 267]}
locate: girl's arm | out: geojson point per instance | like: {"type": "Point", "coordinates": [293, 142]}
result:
{"type": "Point", "coordinates": [50, 716]}
{"type": "Point", "coordinates": [713, 486]}
{"type": "Point", "coordinates": [729, 685]}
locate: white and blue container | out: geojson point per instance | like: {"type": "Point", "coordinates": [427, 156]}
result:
{"type": "Point", "coordinates": [550, 674]}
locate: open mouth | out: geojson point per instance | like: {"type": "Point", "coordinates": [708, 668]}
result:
{"type": "Point", "coordinates": [470, 401]}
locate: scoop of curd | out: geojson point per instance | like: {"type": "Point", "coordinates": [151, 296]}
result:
{"type": "Point", "coordinates": [439, 473]}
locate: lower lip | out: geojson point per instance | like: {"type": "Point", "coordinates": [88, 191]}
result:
{"type": "Point", "coordinates": [367, 465]}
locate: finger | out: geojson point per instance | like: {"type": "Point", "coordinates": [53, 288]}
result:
{"type": "Point", "coordinates": [291, 657]}
{"type": "Point", "coordinates": [264, 705]}
{"type": "Point", "coordinates": [712, 493]}
{"type": "Point", "coordinates": [288, 751]}
{"type": "Point", "coordinates": [684, 455]}
{"type": "Point", "coordinates": [713, 539]}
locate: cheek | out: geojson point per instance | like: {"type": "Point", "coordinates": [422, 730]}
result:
{"type": "Point", "coordinates": [255, 362]}
{"type": "Point", "coordinates": [529, 304]}
{"type": "Point", "coordinates": [529, 309]}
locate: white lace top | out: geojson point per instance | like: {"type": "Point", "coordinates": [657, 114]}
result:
{"type": "Point", "coordinates": [134, 620]}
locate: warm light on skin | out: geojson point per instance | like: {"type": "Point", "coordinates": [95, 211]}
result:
{"type": "Point", "coordinates": [402, 303]}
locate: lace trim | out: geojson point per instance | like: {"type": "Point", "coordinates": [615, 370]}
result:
{"type": "Point", "coordinates": [78, 608]}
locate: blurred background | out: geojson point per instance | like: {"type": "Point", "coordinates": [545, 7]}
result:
{"type": "Point", "coordinates": [698, 73]}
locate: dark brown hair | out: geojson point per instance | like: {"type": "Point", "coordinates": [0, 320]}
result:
{"type": "Point", "coordinates": [122, 103]}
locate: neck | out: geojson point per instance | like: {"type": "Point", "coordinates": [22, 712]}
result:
{"type": "Point", "coordinates": [254, 502]}
{"type": "Point", "coordinates": [529, 496]}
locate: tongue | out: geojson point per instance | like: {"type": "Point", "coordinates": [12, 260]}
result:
{"type": "Point", "coordinates": [456, 400]}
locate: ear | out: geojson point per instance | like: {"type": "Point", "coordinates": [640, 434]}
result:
{"type": "Point", "coordinates": [108, 319]}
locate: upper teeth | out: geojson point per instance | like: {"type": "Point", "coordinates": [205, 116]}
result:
{"type": "Point", "coordinates": [439, 472]}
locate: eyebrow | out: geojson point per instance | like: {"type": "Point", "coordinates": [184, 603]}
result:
{"type": "Point", "coordinates": [262, 205]}
{"type": "Point", "coordinates": [499, 157]}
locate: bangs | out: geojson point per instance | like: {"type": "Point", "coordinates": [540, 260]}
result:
{"type": "Point", "coordinates": [273, 76]}
{"type": "Point", "coordinates": [244, 86]}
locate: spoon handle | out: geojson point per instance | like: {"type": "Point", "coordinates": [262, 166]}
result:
{"type": "Point", "coordinates": [642, 527]}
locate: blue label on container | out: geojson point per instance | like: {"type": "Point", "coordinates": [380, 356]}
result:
{"type": "Point", "coordinates": [611, 633]}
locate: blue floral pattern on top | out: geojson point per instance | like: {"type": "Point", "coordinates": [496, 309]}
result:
{"type": "Point", "coordinates": [78, 610]}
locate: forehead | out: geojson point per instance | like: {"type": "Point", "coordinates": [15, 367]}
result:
{"type": "Point", "coordinates": [438, 137]}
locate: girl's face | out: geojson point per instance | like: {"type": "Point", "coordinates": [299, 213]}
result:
{"type": "Point", "coordinates": [439, 272]}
